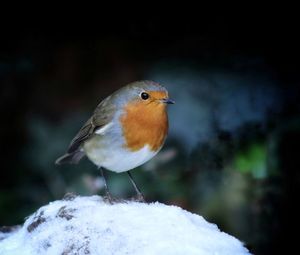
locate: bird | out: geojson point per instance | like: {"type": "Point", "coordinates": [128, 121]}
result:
{"type": "Point", "coordinates": [126, 130]}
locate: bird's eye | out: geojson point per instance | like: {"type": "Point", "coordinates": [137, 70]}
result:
{"type": "Point", "coordinates": [144, 96]}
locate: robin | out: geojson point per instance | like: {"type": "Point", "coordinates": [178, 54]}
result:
{"type": "Point", "coordinates": [127, 129]}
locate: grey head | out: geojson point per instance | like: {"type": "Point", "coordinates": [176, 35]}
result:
{"type": "Point", "coordinates": [133, 91]}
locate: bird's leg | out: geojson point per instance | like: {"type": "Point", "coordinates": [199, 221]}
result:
{"type": "Point", "coordinates": [107, 193]}
{"type": "Point", "coordinates": [140, 196]}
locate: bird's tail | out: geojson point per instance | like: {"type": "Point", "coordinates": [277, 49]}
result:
{"type": "Point", "coordinates": [70, 158]}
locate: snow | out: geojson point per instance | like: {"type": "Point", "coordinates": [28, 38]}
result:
{"type": "Point", "coordinates": [90, 225]}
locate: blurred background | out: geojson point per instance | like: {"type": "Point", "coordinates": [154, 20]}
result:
{"type": "Point", "coordinates": [232, 151]}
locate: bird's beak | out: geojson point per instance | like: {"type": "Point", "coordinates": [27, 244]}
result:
{"type": "Point", "coordinates": [167, 101]}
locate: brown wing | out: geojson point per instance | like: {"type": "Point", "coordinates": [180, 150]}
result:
{"type": "Point", "coordinates": [103, 114]}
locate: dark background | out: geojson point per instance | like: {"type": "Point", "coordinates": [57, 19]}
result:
{"type": "Point", "coordinates": [232, 153]}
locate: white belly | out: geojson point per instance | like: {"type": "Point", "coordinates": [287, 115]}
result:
{"type": "Point", "coordinates": [113, 156]}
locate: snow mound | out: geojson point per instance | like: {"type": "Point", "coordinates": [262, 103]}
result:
{"type": "Point", "coordinates": [89, 225]}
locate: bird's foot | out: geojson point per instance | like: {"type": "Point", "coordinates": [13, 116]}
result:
{"type": "Point", "coordinates": [138, 198]}
{"type": "Point", "coordinates": [70, 196]}
{"type": "Point", "coordinates": [108, 198]}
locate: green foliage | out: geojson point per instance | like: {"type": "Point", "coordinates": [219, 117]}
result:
{"type": "Point", "coordinates": [252, 160]}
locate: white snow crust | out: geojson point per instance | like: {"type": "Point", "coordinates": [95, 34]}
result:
{"type": "Point", "coordinates": [90, 225]}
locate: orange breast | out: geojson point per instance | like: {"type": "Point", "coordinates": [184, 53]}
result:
{"type": "Point", "coordinates": [144, 124]}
